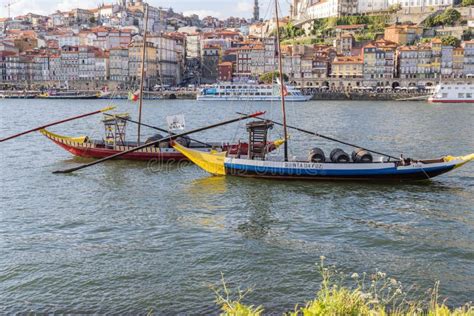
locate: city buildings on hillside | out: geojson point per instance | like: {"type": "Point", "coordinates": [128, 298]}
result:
{"type": "Point", "coordinates": [103, 46]}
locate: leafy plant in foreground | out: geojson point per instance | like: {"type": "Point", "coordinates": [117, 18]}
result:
{"type": "Point", "coordinates": [372, 295]}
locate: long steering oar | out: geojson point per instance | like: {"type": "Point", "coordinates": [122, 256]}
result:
{"type": "Point", "coordinates": [58, 122]}
{"type": "Point", "coordinates": [246, 116]}
{"type": "Point", "coordinates": [328, 138]}
{"type": "Point", "coordinates": [157, 128]}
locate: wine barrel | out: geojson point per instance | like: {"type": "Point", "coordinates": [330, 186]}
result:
{"type": "Point", "coordinates": [153, 138]}
{"type": "Point", "coordinates": [362, 156]}
{"type": "Point", "coordinates": [339, 156]}
{"type": "Point", "coordinates": [183, 141]}
{"type": "Point", "coordinates": [316, 155]}
{"type": "Point", "coordinates": [156, 137]}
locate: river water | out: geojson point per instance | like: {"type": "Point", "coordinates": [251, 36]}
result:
{"type": "Point", "coordinates": [130, 237]}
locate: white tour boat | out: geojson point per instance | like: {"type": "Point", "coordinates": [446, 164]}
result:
{"type": "Point", "coordinates": [249, 92]}
{"type": "Point", "coordinates": [455, 92]}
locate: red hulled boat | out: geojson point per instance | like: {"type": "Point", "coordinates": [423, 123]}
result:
{"type": "Point", "coordinates": [87, 148]}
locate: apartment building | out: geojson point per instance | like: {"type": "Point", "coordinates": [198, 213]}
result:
{"type": "Point", "coordinates": [118, 64]}
{"type": "Point", "coordinates": [347, 67]}
{"type": "Point", "coordinates": [210, 62]}
{"type": "Point", "coordinates": [379, 59]}
{"type": "Point", "coordinates": [468, 58]}
{"type": "Point", "coordinates": [135, 62]}
{"type": "Point", "coordinates": [405, 34]}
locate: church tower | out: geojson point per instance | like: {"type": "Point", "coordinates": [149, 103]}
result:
{"type": "Point", "coordinates": [256, 11]}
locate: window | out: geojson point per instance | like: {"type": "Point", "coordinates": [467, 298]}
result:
{"type": "Point", "coordinates": [469, 95]}
{"type": "Point", "coordinates": [460, 95]}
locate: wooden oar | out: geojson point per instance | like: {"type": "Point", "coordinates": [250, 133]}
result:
{"type": "Point", "coordinates": [157, 128]}
{"type": "Point", "coordinates": [247, 116]}
{"type": "Point", "coordinates": [327, 137]}
{"type": "Point", "coordinates": [56, 123]}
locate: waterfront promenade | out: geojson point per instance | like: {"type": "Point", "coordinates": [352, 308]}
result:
{"type": "Point", "coordinates": [190, 94]}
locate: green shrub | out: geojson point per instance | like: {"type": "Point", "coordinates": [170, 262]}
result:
{"type": "Point", "coordinates": [371, 295]}
{"type": "Point", "coordinates": [451, 41]}
{"type": "Point", "coordinates": [290, 31]}
{"type": "Point", "coordinates": [269, 77]}
{"type": "Point", "coordinates": [365, 37]}
{"type": "Point", "coordinates": [448, 17]}
{"type": "Point", "coordinates": [234, 307]}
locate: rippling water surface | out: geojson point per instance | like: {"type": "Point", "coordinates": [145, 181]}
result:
{"type": "Point", "coordinates": [128, 237]}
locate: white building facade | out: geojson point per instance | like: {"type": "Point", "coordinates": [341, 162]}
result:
{"type": "Point", "coordinates": [303, 11]}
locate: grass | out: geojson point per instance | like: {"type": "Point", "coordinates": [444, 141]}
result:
{"type": "Point", "coordinates": [371, 295]}
{"type": "Point", "coordinates": [235, 307]}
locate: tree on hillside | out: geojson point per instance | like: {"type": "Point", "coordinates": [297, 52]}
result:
{"type": "Point", "coordinates": [450, 41]}
{"type": "Point", "coordinates": [430, 21]}
{"type": "Point", "coordinates": [270, 77]}
{"type": "Point", "coordinates": [448, 17]}
{"type": "Point", "coordinates": [466, 3]}
{"type": "Point", "coordinates": [291, 31]}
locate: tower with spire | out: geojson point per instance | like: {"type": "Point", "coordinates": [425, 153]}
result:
{"type": "Point", "coordinates": [256, 11]}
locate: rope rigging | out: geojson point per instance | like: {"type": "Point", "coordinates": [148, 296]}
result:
{"type": "Point", "coordinates": [330, 138]}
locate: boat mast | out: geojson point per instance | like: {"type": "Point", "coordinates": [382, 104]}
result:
{"type": "Point", "coordinates": [142, 78]}
{"type": "Point", "coordinates": [282, 92]}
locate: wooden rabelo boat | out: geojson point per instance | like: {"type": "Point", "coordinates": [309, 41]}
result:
{"type": "Point", "coordinates": [85, 147]}
{"type": "Point", "coordinates": [360, 166]}
{"type": "Point", "coordinates": [399, 171]}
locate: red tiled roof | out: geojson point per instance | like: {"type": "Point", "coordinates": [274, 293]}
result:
{"type": "Point", "coordinates": [7, 53]}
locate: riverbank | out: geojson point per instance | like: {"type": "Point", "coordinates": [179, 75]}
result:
{"type": "Point", "coordinates": [191, 95]}
{"type": "Point", "coordinates": [371, 96]}
{"type": "Point", "coordinates": [96, 94]}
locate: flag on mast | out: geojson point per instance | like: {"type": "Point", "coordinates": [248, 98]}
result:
{"type": "Point", "coordinates": [176, 122]}
{"type": "Point", "coordinates": [134, 96]}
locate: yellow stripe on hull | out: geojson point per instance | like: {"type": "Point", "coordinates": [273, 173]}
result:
{"type": "Point", "coordinates": [464, 159]}
{"type": "Point", "coordinates": [80, 139]}
{"type": "Point", "coordinates": [210, 162]}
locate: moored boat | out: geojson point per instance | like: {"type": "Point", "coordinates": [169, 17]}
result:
{"type": "Point", "coordinates": [455, 92]}
{"type": "Point", "coordinates": [249, 92]}
{"type": "Point", "coordinates": [115, 142]}
{"type": "Point", "coordinates": [69, 95]}
{"type": "Point", "coordinates": [85, 147]}
{"type": "Point", "coordinates": [17, 94]}
{"type": "Point", "coordinates": [385, 171]}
